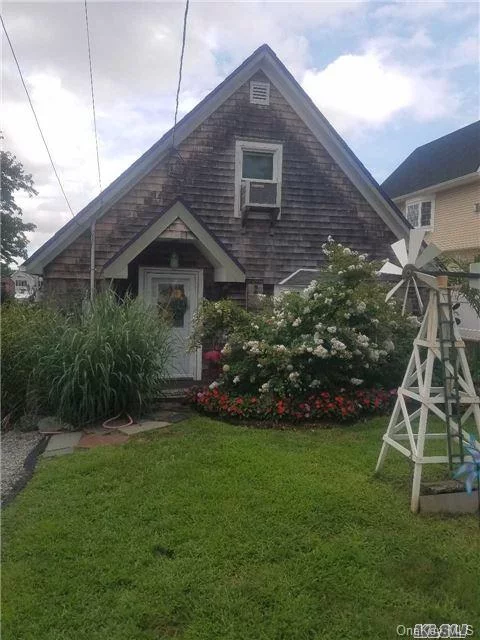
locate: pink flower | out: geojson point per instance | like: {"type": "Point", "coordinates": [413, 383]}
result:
{"type": "Point", "coordinates": [212, 356]}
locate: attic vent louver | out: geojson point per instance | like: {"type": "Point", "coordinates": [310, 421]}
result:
{"type": "Point", "coordinates": [259, 92]}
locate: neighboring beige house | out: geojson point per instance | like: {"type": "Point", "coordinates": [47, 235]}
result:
{"type": "Point", "coordinates": [438, 187]}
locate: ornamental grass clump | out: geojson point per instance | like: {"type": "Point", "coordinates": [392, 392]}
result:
{"type": "Point", "coordinates": [26, 330]}
{"type": "Point", "coordinates": [109, 359]}
{"type": "Point", "coordinates": [337, 334]}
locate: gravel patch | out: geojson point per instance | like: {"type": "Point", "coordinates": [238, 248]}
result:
{"type": "Point", "coordinates": [16, 447]}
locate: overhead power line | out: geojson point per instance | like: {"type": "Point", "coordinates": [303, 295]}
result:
{"type": "Point", "coordinates": [180, 69]}
{"type": "Point", "coordinates": [36, 118]}
{"type": "Point", "coordinates": [93, 97]}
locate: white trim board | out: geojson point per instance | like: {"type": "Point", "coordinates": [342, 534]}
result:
{"type": "Point", "coordinates": [440, 186]}
{"type": "Point", "coordinates": [225, 269]}
{"type": "Point", "coordinates": [264, 59]}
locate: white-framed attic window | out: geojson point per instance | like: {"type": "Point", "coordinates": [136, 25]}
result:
{"type": "Point", "coordinates": [420, 212]}
{"type": "Point", "coordinates": [259, 92]}
{"type": "Point", "coordinates": [256, 162]}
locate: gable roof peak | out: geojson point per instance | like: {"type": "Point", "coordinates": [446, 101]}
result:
{"type": "Point", "coordinates": [263, 49]}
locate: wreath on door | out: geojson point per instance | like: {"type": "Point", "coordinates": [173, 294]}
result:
{"type": "Point", "coordinates": [177, 305]}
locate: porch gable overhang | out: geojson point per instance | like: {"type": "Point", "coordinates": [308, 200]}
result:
{"type": "Point", "coordinates": [226, 266]}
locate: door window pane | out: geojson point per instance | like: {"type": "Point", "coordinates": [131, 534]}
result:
{"type": "Point", "coordinates": [257, 166]}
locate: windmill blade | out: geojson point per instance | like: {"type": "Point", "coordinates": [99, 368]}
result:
{"type": "Point", "coordinates": [392, 291]}
{"type": "Point", "coordinates": [430, 280]}
{"type": "Point", "coordinates": [419, 299]}
{"type": "Point", "coordinates": [430, 253]}
{"type": "Point", "coordinates": [399, 248]}
{"type": "Point", "coordinates": [391, 269]}
{"type": "Point", "coordinates": [414, 244]}
{"type": "Point", "coordinates": [404, 306]}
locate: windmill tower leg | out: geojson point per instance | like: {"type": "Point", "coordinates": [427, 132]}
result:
{"type": "Point", "coordinates": [412, 374]}
{"type": "Point", "coordinates": [391, 424]}
{"type": "Point", "coordinates": [425, 391]}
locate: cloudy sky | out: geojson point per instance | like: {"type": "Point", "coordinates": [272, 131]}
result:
{"type": "Point", "coordinates": [389, 76]}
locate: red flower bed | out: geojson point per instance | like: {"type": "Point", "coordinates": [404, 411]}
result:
{"type": "Point", "coordinates": [332, 406]}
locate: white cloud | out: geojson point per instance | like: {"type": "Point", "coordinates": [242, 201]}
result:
{"type": "Point", "coordinates": [466, 52]}
{"type": "Point", "coordinates": [410, 10]}
{"type": "Point", "coordinates": [408, 42]}
{"type": "Point", "coordinates": [359, 90]}
{"type": "Point", "coordinates": [365, 91]}
{"type": "Point", "coordinates": [66, 124]}
{"type": "Point", "coordinates": [415, 11]}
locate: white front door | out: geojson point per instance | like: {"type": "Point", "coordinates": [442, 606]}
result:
{"type": "Point", "coordinates": [179, 292]}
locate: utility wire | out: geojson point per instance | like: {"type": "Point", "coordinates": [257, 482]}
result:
{"type": "Point", "coordinates": [36, 118]}
{"type": "Point", "coordinates": [93, 97]}
{"type": "Point", "coordinates": [180, 70]}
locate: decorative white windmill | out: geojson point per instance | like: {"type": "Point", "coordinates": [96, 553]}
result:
{"type": "Point", "coordinates": [438, 339]}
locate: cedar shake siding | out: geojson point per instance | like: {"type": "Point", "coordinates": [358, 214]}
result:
{"type": "Point", "coordinates": [318, 199]}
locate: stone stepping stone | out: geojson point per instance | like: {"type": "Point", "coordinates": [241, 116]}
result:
{"type": "Point", "coordinates": [92, 440]}
{"type": "Point", "coordinates": [148, 425]}
{"type": "Point", "coordinates": [169, 416]}
{"type": "Point", "coordinates": [51, 425]}
{"type": "Point", "coordinates": [62, 443]}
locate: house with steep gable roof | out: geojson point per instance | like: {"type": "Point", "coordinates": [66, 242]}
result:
{"type": "Point", "coordinates": [234, 201]}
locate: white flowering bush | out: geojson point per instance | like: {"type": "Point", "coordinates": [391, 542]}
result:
{"type": "Point", "coordinates": [339, 333]}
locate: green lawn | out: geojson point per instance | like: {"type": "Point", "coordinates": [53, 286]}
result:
{"type": "Point", "coordinates": [211, 531]}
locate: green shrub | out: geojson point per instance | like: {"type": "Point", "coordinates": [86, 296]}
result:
{"type": "Point", "coordinates": [339, 333]}
{"type": "Point", "coordinates": [214, 322]}
{"type": "Point", "coordinates": [110, 359]}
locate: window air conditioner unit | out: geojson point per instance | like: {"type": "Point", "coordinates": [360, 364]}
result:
{"type": "Point", "coordinates": [255, 194]}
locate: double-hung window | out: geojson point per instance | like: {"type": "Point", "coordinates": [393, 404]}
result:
{"type": "Point", "coordinates": [256, 162]}
{"type": "Point", "coordinates": [420, 213]}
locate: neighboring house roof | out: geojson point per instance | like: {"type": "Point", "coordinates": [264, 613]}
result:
{"type": "Point", "coordinates": [452, 156]}
{"type": "Point", "coordinates": [262, 59]}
